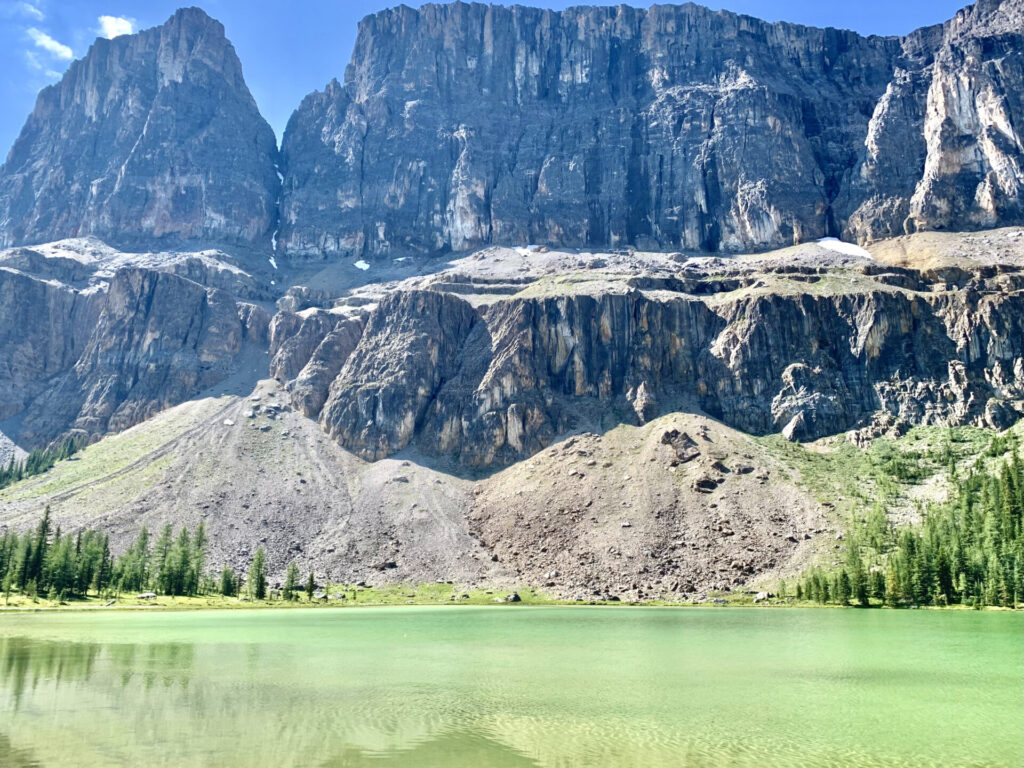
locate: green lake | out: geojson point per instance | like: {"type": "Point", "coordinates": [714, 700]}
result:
{"type": "Point", "coordinates": [508, 686]}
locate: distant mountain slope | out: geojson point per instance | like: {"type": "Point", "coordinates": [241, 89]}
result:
{"type": "Point", "coordinates": [612, 515]}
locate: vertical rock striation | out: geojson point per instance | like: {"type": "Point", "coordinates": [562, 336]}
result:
{"type": "Point", "coordinates": [675, 127]}
{"type": "Point", "coordinates": [945, 148]}
{"type": "Point", "coordinates": [150, 140]}
{"type": "Point", "coordinates": [494, 383]}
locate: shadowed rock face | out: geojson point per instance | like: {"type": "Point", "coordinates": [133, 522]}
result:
{"type": "Point", "coordinates": [413, 344]}
{"type": "Point", "coordinates": [149, 139]}
{"type": "Point", "coordinates": [158, 340]}
{"type": "Point", "coordinates": [462, 125]}
{"type": "Point", "coordinates": [676, 127]}
{"type": "Point", "coordinates": [99, 354]}
{"type": "Point", "coordinates": [44, 328]}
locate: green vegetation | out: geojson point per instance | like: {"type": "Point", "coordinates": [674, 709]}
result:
{"type": "Point", "coordinates": [228, 583]}
{"type": "Point", "coordinates": [895, 473]}
{"type": "Point", "coordinates": [967, 550]}
{"type": "Point", "coordinates": [37, 462]}
{"type": "Point", "coordinates": [257, 581]}
{"type": "Point", "coordinates": [291, 582]}
{"type": "Point", "coordinates": [101, 466]}
{"type": "Point", "coordinates": [47, 563]}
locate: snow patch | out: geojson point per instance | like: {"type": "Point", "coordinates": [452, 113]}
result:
{"type": "Point", "coordinates": [837, 245]}
{"type": "Point", "coordinates": [361, 265]}
{"type": "Point", "coordinates": [272, 261]}
{"type": "Point", "coordinates": [401, 258]}
{"type": "Point", "coordinates": [273, 243]}
{"type": "Point", "coordinates": [280, 177]}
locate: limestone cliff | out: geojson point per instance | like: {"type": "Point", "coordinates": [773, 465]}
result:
{"type": "Point", "coordinates": [151, 140]}
{"type": "Point", "coordinates": [94, 345]}
{"type": "Point", "coordinates": [944, 146]}
{"type": "Point", "coordinates": [677, 127]}
{"type": "Point", "coordinates": [491, 369]}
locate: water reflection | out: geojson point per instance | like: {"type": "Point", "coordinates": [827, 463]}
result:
{"type": "Point", "coordinates": [460, 748]}
{"type": "Point", "coordinates": [508, 688]}
{"type": "Point", "coordinates": [25, 662]}
{"type": "Point", "coordinates": [12, 757]}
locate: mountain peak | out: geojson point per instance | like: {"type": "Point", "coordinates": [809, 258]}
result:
{"type": "Point", "coordinates": [150, 140]}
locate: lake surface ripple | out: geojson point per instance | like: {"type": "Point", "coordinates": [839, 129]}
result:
{"type": "Point", "coordinates": [512, 686]}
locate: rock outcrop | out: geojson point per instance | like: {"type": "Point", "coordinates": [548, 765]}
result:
{"type": "Point", "coordinates": [308, 352]}
{"type": "Point", "coordinates": [766, 348]}
{"type": "Point", "coordinates": [44, 328]}
{"type": "Point", "coordinates": [101, 351]}
{"type": "Point", "coordinates": [461, 125]}
{"type": "Point", "coordinates": [151, 140]}
{"type": "Point", "coordinates": [945, 148]}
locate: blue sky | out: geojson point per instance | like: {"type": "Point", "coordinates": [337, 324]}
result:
{"type": "Point", "coordinates": [290, 49]}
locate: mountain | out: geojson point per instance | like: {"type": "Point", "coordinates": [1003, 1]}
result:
{"type": "Point", "coordinates": [463, 125]}
{"type": "Point", "coordinates": [944, 147]}
{"type": "Point", "coordinates": [150, 141]}
{"type": "Point", "coordinates": [551, 298]}
{"type": "Point", "coordinates": [494, 357]}
{"type": "Point", "coordinates": [93, 340]}
{"type": "Point", "coordinates": [459, 126]}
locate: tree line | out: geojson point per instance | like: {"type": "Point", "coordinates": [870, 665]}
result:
{"type": "Point", "coordinates": [966, 551]}
{"type": "Point", "coordinates": [47, 562]}
{"type": "Point", "coordinates": [37, 462]}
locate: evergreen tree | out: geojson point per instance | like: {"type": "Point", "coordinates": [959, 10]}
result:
{"type": "Point", "coordinates": [198, 560]}
{"type": "Point", "coordinates": [160, 566]}
{"type": "Point", "coordinates": [257, 579]}
{"type": "Point", "coordinates": [228, 587]}
{"type": "Point", "coordinates": [291, 581]}
{"type": "Point", "coordinates": [40, 547]}
{"type": "Point", "coordinates": [855, 570]}
{"type": "Point", "coordinates": [969, 550]}
{"type": "Point", "coordinates": [105, 567]}
{"type": "Point", "coordinates": [842, 590]}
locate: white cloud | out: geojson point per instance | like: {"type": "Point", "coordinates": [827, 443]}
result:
{"type": "Point", "coordinates": [115, 26]}
{"type": "Point", "coordinates": [48, 44]}
{"type": "Point", "coordinates": [36, 64]}
{"type": "Point", "coordinates": [27, 9]}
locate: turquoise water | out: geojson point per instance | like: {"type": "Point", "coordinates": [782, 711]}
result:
{"type": "Point", "coordinates": [512, 686]}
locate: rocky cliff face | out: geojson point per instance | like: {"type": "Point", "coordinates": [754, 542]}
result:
{"type": "Point", "coordinates": [462, 125]}
{"type": "Point", "coordinates": [944, 146]}
{"type": "Point", "coordinates": [91, 347]}
{"type": "Point", "coordinates": [149, 139]}
{"type": "Point", "coordinates": [677, 127]}
{"type": "Point", "coordinates": [798, 346]}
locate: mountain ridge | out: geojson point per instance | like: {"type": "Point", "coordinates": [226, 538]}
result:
{"type": "Point", "coordinates": [709, 131]}
{"type": "Point", "coordinates": [461, 198]}
{"type": "Point", "coordinates": [479, 294]}
{"type": "Point", "coordinates": [150, 139]}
